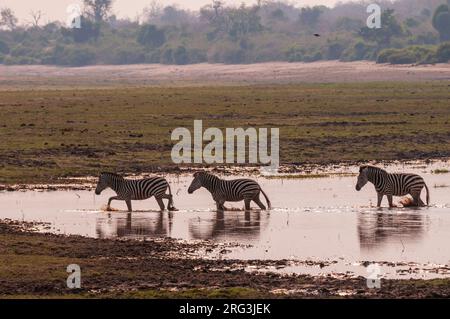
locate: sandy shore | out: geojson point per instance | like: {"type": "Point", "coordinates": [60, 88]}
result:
{"type": "Point", "coordinates": [218, 74]}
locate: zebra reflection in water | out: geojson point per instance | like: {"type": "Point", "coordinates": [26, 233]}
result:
{"type": "Point", "coordinates": [376, 228]}
{"type": "Point", "coordinates": [151, 224]}
{"type": "Point", "coordinates": [235, 225]}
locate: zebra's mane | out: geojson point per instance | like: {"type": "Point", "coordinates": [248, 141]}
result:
{"type": "Point", "coordinates": [372, 168]}
{"type": "Point", "coordinates": [207, 174]}
{"type": "Point", "coordinates": [111, 174]}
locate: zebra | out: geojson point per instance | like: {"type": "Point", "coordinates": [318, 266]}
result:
{"type": "Point", "coordinates": [128, 190]}
{"type": "Point", "coordinates": [392, 184]}
{"type": "Point", "coordinates": [229, 190]}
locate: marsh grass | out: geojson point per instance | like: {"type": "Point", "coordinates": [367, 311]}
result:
{"type": "Point", "coordinates": [48, 134]}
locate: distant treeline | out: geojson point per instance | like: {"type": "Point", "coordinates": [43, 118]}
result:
{"type": "Point", "coordinates": [412, 31]}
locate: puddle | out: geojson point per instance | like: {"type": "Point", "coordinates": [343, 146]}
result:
{"type": "Point", "coordinates": [320, 226]}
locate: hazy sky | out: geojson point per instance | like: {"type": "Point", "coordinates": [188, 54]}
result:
{"type": "Point", "coordinates": [56, 9]}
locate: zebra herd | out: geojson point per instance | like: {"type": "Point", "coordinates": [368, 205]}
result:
{"type": "Point", "coordinates": [248, 190]}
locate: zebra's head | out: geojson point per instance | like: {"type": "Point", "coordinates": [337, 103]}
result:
{"type": "Point", "coordinates": [197, 182]}
{"type": "Point", "coordinates": [103, 183]}
{"type": "Point", "coordinates": [362, 177]}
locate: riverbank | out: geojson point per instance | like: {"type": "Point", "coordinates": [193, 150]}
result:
{"type": "Point", "coordinates": [34, 265]}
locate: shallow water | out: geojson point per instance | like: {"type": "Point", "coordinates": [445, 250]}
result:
{"type": "Point", "coordinates": [321, 220]}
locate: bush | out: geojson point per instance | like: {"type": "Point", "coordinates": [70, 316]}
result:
{"type": "Point", "coordinates": [384, 55]}
{"type": "Point", "coordinates": [76, 56]}
{"type": "Point", "coordinates": [443, 52]}
{"type": "Point", "coordinates": [4, 48]}
{"type": "Point", "coordinates": [227, 52]}
{"type": "Point", "coordinates": [166, 56]}
{"type": "Point", "coordinates": [127, 56]}
{"type": "Point", "coordinates": [359, 51]}
{"type": "Point", "coordinates": [313, 57]}
{"type": "Point", "coordinates": [414, 54]}
{"type": "Point", "coordinates": [180, 56]}
{"type": "Point", "coordinates": [334, 51]}
{"type": "Point", "coordinates": [402, 57]}
{"type": "Point", "coordinates": [149, 35]}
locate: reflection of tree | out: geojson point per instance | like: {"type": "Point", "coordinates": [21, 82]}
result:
{"type": "Point", "coordinates": [156, 225]}
{"type": "Point", "coordinates": [377, 228]}
{"type": "Point", "coordinates": [229, 224]}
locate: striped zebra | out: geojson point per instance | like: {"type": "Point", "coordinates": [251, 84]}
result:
{"type": "Point", "coordinates": [229, 190]}
{"type": "Point", "coordinates": [128, 190]}
{"type": "Point", "coordinates": [392, 184]}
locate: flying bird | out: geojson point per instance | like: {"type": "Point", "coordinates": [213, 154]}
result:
{"type": "Point", "coordinates": [316, 35]}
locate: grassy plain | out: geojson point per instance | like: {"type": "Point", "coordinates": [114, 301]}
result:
{"type": "Point", "coordinates": [51, 133]}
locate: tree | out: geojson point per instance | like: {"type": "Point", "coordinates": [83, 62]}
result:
{"type": "Point", "coordinates": [153, 11]}
{"type": "Point", "coordinates": [441, 22]}
{"type": "Point", "coordinates": [98, 10]}
{"type": "Point", "coordinates": [309, 16]}
{"type": "Point", "coordinates": [36, 17]}
{"type": "Point", "coordinates": [8, 19]}
{"type": "Point", "coordinates": [149, 35]}
{"type": "Point", "coordinates": [243, 21]}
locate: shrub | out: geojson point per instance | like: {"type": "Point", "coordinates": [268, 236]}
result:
{"type": "Point", "coordinates": [443, 52]}
{"type": "Point", "coordinates": [402, 57]}
{"type": "Point", "coordinates": [180, 56]}
{"type": "Point", "coordinates": [414, 54]}
{"type": "Point", "coordinates": [4, 48]}
{"type": "Point", "coordinates": [335, 50]}
{"type": "Point", "coordinates": [149, 35]}
{"type": "Point", "coordinates": [76, 56]}
{"type": "Point", "coordinates": [384, 55]}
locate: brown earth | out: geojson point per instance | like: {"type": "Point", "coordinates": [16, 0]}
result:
{"type": "Point", "coordinates": [34, 265]}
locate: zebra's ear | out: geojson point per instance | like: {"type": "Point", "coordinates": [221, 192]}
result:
{"type": "Point", "coordinates": [361, 168]}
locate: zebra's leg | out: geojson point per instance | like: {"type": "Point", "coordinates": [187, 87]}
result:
{"type": "Point", "coordinates": [108, 207]}
{"type": "Point", "coordinates": [160, 203]}
{"type": "Point", "coordinates": [247, 202]}
{"type": "Point", "coordinates": [128, 201]}
{"type": "Point", "coordinates": [258, 202]}
{"type": "Point", "coordinates": [220, 206]}
{"type": "Point", "coordinates": [417, 200]}
{"type": "Point", "coordinates": [380, 198]}
{"type": "Point", "coordinates": [390, 200]}
{"type": "Point", "coordinates": [170, 205]}
{"type": "Point", "coordinates": [421, 203]}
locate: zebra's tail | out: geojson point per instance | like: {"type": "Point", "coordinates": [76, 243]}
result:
{"type": "Point", "coordinates": [428, 195]}
{"type": "Point", "coordinates": [267, 199]}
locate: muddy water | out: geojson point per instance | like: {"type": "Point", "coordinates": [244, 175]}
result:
{"type": "Point", "coordinates": [319, 225]}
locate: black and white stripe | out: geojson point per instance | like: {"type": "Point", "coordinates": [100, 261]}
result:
{"type": "Point", "coordinates": [128, 190]}
{"type": "Point", "coordinates": [392, 184]}
{"type": "Point", "coordinates": [229, 190]}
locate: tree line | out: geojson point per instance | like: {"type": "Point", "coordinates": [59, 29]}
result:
{"type": "Point", "coordinates": [412, 31]}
